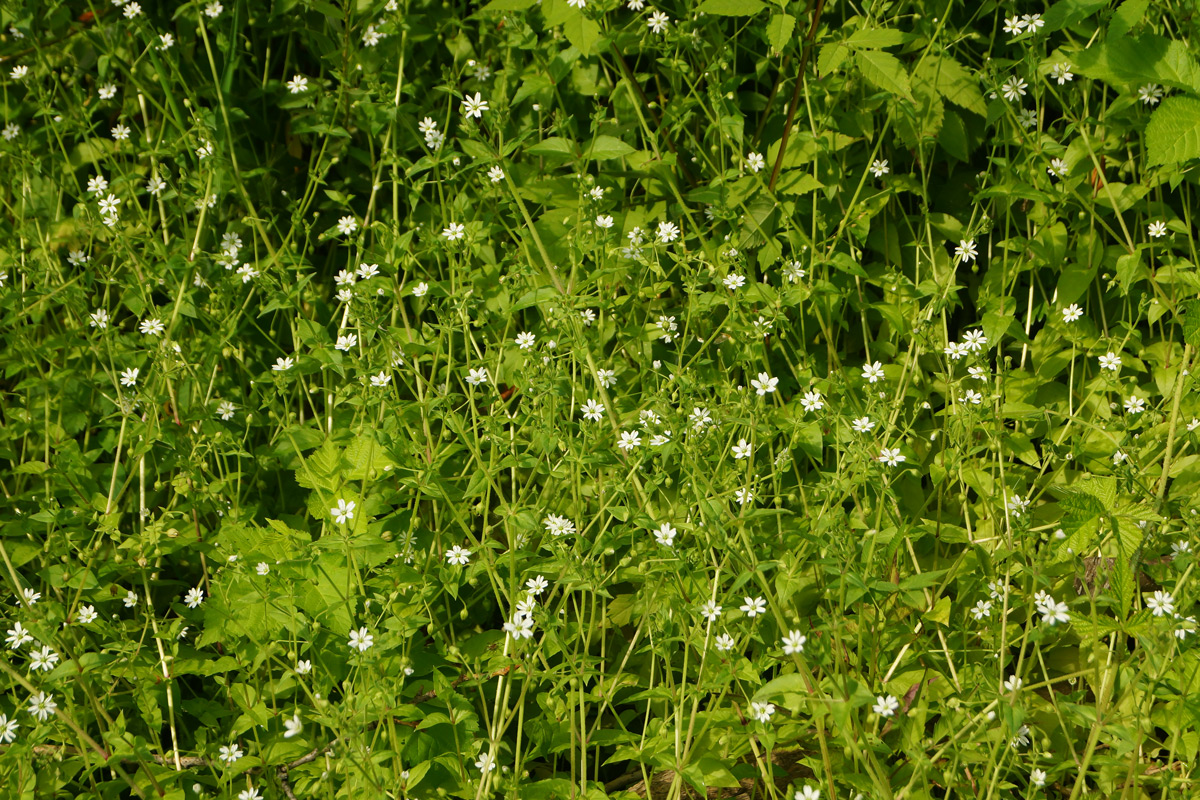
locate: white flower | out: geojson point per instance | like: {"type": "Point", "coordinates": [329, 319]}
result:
{"type": "Point", "coordinates": [166, 41]}
{"type": "Point", "coordinates": [8, 728]}
{"type": "Point", "coordinates": [1033, 21]}
{"type": "Point", "coordinates": [496, 174]}
{"type": "Point", "coordinates": [87, 614]}
{"type": "Point", "coordinates": [347, 225]}
{"type": "Point", "coordinates": [733, 281]}
{"type": "Point", "coordinates": [371, 37]}
{"type": "Point", "coordinates": [303, 667]}
{"type": "Point", "coordinates": [485, 763]}
{"type": "Point", "coordinates": [872, 372]}
{"type": "Point", "coordinates": [1017, 505]}
{"type": "Point", "coordinates": [557, 525]}
{"type": "Point", "coordinates": [753, 606]}
{"type": "Point", "coordinates": [132, 10]}
{"type": "Point", "coordinates": [476, 377]}
{"type": "Point", "coordinates": [381, 380]}
{"type": "Point", "coordinates": [1013, 88]}
{"type": "Point", "coordinates": [971, 396]}
{"type": "Point", "coordinates": [262, 568]}
{"type": "Point", "coordinates": [886, 705]}
{"type": "Point", "coordinates": [606, 378]}
{"type": "Point", "coordinates": [699, 418]}
{"type": "Point", "coordinates": [130, 599]}
{"type": "Point", "coordinates": [1037, 777]}
{"type": "Point", "coordinates": [629, 440]}
{"type": "Point", "coordinates": [458, 555]}
{"type": "Point", "coordinates": [213, 10]}
{"type": "Point", "coordinates": [282, 364]}
{"type": "Point", "coordinates": [1157, 229]}
{"type": "Point", "coordinates": [129, 377]}
{"type": "Point", "coordinates": [43, 659]}
{"type": "Point", "coordinates": [966, 250]}
{"type": "Point", "coordinates": [755, 161]}
{"type": "Point", "coordinates": [891, 457]}
{"type": "Point", "coordinates": [1119, 457]}
{"type": "Point", "coordinates": [811, 401]}
{"type": "Point", "coordinates": [794, 643]}
{"type": "Point", "coordinates": [346, 342]}
{"type": "Point", "coordinates": [604, 221]}
{"type": "Point", "coordinates": [361, 639]}
{"type": "Point", "coordinates": [17, 636]}
{"type": "Point", "coordinates": [19, 72]}
{"type": "Point", "coordinates": [194, 597]}
{"type": "Point", "coordinates": [879, 168]}
{"type": "Point", "coordinates": [1013, 684]}
{"type": "Point", "coordinates": [1058, 168]}
{"type": "Point", "coordinates": [420, 289]}
{"type": "Point", "coordinates": [742, 450]}
{"type": "Point", "coordinates": [710, 611]}
{"type": "Point", "coordinates": [665, 535]}
{"type": "Point", "coordinates": [11, 130]}
{"type": "Point", "coordinates": [474, 106]}
{"type": "Point", "coordinates": [298, 84]}
{"type": "Point", "coordinates": [1135, 404]}
{"type": "Point", "coordinates": [42, 705]}
{"type": "Point", "coordinates": [1054, 613]}
{"type": "Point", "coordinates": [205, 149]}
{"type": "Point", "coordinates": [667, 232]}
{"type": "Point", "coordinates": [1161, 604]}
{"type": "Point", "coordinates": [807, 793]}
{"type": "Point", "coordinates": [862, 424]}
{"type": "Point", "coordinates": [1150, 94]}
{"type": "Point", "coordinates": [724, 642]}
{"type": "Point", "coordinates": [1014, 25]}
{"type": "Point", "coordinates": [155, 185]}
{"type": "Point", "coordinates": [292, 726]}
{"type": "Point", "coordinates": [536, 585]}
{"type": "Point", "coordinates": [743, 496]}
{"type": "Point", "coordinates": [762, 711]}
{"type": "Point", "coordinates": [593, 411]}
{"type": "Point", "coordinates": [658, 22]}
{"type": "Point", "coordinates": [982, 609]}
{"type": "Point", "coordinates": [1072, 313]}
{"type": "Point", "coordinates": [343, 511]}
{"type": "Point", "coordinates": [764, 383]}
{"type": "Point", "coordinates": [454, 231]}
{"type": "Point", "coordinates": [1061, 72]}
{"type": "Point", "coordinates": [152, 327]}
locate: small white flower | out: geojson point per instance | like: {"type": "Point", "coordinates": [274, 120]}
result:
{"type": "Point", "coordinates": [361, 639]}
{"type": "Point", "coordinates": [1013, 684]}
{"type": "Point", "coordinates": [667, 232]}
{"type": "Point", "coordinates": [629, 440]}
{"type": "Point", "coordinates": [753, 606]}
{"type": "Point", "coordinates": [724, 642]}
{"type": "Point", "coordinates": [298, 84]}
{"type": "Point", "coordinates": [1061, 72]}
{"type": "Point", "coordinates": [474, 106]}
{"type": "Point", "coordinates": [755, 161]}
{"type": "Point", "coordinates": [891, 457]}
{"type": "Point", "coordinates": [1072, 313]}
{"type": "Point", "coordinates": [733, 281]}
{"type": "Point", "coordinates": [262, 568]}
{"type": "Point", "coordinates": [420, 289]}
{"type": "Point", "coordinates": [282, 364]}
{"type": "Point", "coordinates": [381, 380]}
{"type": "Point", "coordinates": [292, 726]}
{"type": "Point", "coordinates": [347, 225]}
{"type": "Point", "coordinates": [879, 168]}
{"type": "Point", "coordinates": [454, 231]}
{"type": "Point", "coordinates": [604, 221]}
{"type": "Point", "coordinates": [593, 411]}
{"type": "Point", "coordinates": [152, 327]}
{"type": "Point", "coordinates": [87, 614]}
{"type": "Point", "coordinates": [343, 511]}
{"type": "Point", "coordinates": [1013, 88]}
{"type": "Point", "coordinates": [1110, 361]}
{"type": "Point", "coordinates": [743, 496]}
{"type": "Point", "coordinates": [536, 585]}
{"type": "Point", "coordinates": [346, 342]}
{"type": "Point", "coordinates": [485, 763]}
{"type": "Point", "coordinates": [658, 22]}
{"type": "Point", "coordinates": [886, 705]}
{"type": "Point", "coordinates": [1037, 777]}
{"type": "Point", "coordinates": [742, 450]}
{"type": "Point", "coordinates": [129, 377]}
{"type": "Point", "coordinates": [1157, 229]}
{"type": "Point", "coordinates": [764, 383]}
{"type": "Point", "coordinates": [872, 372]}
{"type": "Point", "coordinates": [1135, 404]}
{"type": "Point", "coordinates": [458, 555]}
{"type": "Point", "coordinates": [1055, 613]}
{"type": "Point", "coordinates": [665, 535]}
{"type": "Point", "coordinates": [762, 711]}
{"type": "Point", "coordinates": [42, 706]}
{"type": "Point", "coordinates": [303, 667]}
{"type": "Point", "coordinates": [1150, 94]}
{"type": "Point", "coordinates": [811, 401]}
{"type": "Point", "coordinates": [966, 250]}
{"type": "Point", "coordinates": [982, 609]}
{"type": "Point", "coordinates": [496, 174]}
{"type": "Point", "coordinates": [19, 72]}
{"type": "Point", "coordinates": [1161, 604]}
{"type": "Point", "coordinates": [194, 597]}
{"type": "Point", "coordinates": [807, 793]}
{"type": "Point", "coordinates": [862, 424]}
{"type": "Point", "coordinates": [794, 643]}
{"type": "Point", "coordinates": [1058, 168]}
{"type": "Point", "coordinates": [478, 376]}
{"type": "Point", "coordinates": [710, 611]}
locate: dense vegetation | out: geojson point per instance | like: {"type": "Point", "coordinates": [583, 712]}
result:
{"type": "Point", "coordinates": [583, 399]}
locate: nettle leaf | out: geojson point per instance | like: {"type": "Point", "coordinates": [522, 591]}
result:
{"type": "Point", "coordinates": [779, 31]}
{"type": "Point", "coordinates": [953, 82]}
{"type": "Point", "coordinates": [885, 71]}
{"type": "Point", "coordinates": [830, 57]}
{"type": "Point", "coordinates": [1127, 15]}
{"type": "Point", "coordinates": [1129, 539]}
{"type": "Point", "coordinates": [1191, 323]}
{"type": "Point", "coordinates": [877, 38]}
{"type": "Point", "coordinates": [1173, 134]}
{"type": "Point", "coordinates": [1065, 14]}
{"type": "Point", "coordinates": [1147, 59]}
{"type": "Point", "coordinates": [731, 8]}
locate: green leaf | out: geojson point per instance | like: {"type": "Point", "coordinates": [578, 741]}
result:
{"type": "Point", "coordinates": [779, 31]}
{"type": "Point", "coordinates": [953, 82]}
{"type": "Point", "coordinates": [940, 613]}
{"type": "Point", "coordinates": [1067, 13]}
{"type": "Point", "coordinates": [605, 147]}
{"type": "Point", "coordinates": [1127, 15]}
{"type": "Point", "coordinates": [1191, 323]}
{"type": "Point", "coordinates": [792, 683]}
{"type": "Point", "coordinates": [582, 32]}
{"type": "Point", "coordinates": [953, 136]}
{"type": "Point", "coordinates": [1128, 540]}
{"type": "Point", "coordinates": [877, 38]}
{"type": "Point", "coordinates": [884, 71]}
{"type": "Point", "coordinates": [1173, 134]}
{"type": "Point", "coordinates": [554, 147]}
{"type": "Point", "coordinates": [1147, 59]}
{"type": "Point", "coordinates": [831, 57]}
{"type": "Point", "coordinates": [731, 8]}
{"type": "Point", "coordinates": [508, 5]}
{"type": "Point", "coordinates": [1103, 489]}
{"type": "Point", "coordinates": [797, 181]}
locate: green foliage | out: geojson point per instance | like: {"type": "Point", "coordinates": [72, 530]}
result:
{"type": "Point", "coordinates": [535, 399]}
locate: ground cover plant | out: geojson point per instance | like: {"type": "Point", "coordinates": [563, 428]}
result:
{"type": "Point", "coordinates": [583, 399]}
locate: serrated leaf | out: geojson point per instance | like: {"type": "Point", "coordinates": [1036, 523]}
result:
{"type": "Point", "coordinates": [1149, 58]}
{"type": "Point", "coordinates": [1127, 542]}
{"type": "Point", "coordinates": [884, 71]}
{"type": "Point", "coordinates": [830, 57]}
{"type": "Point", "coordinates": [508, 5]}
{"type": "Point", "coordinates": [604, 147]}
{"type": "Point", "coordinates": [953, 137]}
{"type": "Point", "coordinates": [1103, 489]}
{"type": "Point", "coordinates": [1067, 13]}
{"type": "Point", "coordinates": [1127, 15]}
{"type": "Point", "coordinates": [1191, 323]}
{"type": "Point", "coordinates": [779, 31]}
{"type": "Point", "coordinates": [731, 8]}
{"type": "Point", "coordinates": [953, 82]}
{"type": "Point", "coordinates": [877, 38]}
{"type": "Point", "coordinates": [1173, 134]}
{"type": "Point", "coordinates": [582, 32]}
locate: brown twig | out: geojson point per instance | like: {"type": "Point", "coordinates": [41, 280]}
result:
{"type": "Point", "coordinates": [818, 7]}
